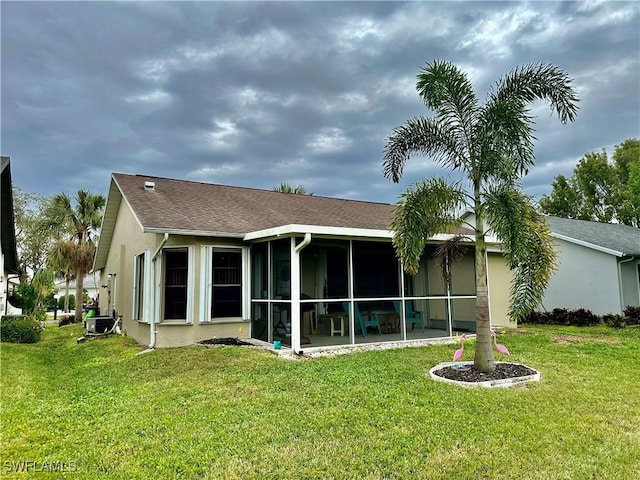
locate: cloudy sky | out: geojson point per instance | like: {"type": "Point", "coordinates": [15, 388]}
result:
{"type": "Point", "coordinates": [257, 93]}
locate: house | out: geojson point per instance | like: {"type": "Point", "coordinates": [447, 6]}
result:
{"type": "Point", "coordinates": [90, 285]}
{"type": "Point", "coordinates": [186, 261]}
{"type": "Point", "coordinates": [8, 252]}
{"type": "Point", "coordinates": [598, 266]}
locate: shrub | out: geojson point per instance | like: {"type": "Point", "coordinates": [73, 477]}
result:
{"type": "Point", "coordinates": [581, 317]}
{"type": "Point", "coordinates": [615, 320]}
{"type": "Point", "coordinates": [541, 318]}
{"type": "Point", "coordinates": [72, 302]}
{"type": "Point", "coordinates": [19, 329]}
{"type": "Point", "coordinates": [66, 320]}
{"type": "Point", "coordinates": [561, 316]}
{"type": "Point", "coordinates": [633, 315]}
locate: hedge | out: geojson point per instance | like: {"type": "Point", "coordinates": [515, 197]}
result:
{"type": "Point", "coordinates": [19, 329]}
{"type": "Point", "coordinates": [581, 317]}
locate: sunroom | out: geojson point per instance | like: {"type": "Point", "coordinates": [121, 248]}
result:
{"type": "Point", "coordinates": [317, 287]}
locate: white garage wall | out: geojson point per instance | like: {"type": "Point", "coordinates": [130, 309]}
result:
{"type": "Point", "coordinates": [585, 278]}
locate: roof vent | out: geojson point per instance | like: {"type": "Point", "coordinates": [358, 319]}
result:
{"type": "Point", "coordinates": [149, 185]}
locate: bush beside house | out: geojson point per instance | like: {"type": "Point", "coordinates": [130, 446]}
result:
{"type": "Point", "coordinates": [581, 317]}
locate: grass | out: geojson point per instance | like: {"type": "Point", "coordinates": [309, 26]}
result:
{"type": "Point", "coordinates": [235, 412]}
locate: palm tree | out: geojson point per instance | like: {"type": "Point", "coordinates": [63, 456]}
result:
{"type": "Point", "coordinates": [60, 259]}
{"type": "Point", "coordinates": [81, 221]}
{"type": "Point", "coordinates": [491, 146]}
{"type": "Point", "coordinates": [286, 187]}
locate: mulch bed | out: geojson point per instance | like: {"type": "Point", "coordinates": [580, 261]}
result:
{"type": "Point", "coordinates": [502, 371]}
{"type": "Point", "coordinates": [224, 341]}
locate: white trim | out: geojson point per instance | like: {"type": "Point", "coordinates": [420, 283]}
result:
{"type": "Point", "coordinates": [161, 284]}
{"type": "Point", "coordinates": [136, 275]}
{"type": "Point", "coordinates": [317, 230]}
{"type": "Point", "coordinates": [159, 297]}
{"type": "Point", "coordinates": [352, 315]}
{"type": "Point", "coordinates": [147, 302]}
{"type": "Point", "coordinates": [294, 288]}
{"type": "Point", "coordinates": [142, 315]}
{"type": "Point", "coordinates": [191, 282]}
{"type": "Point", "coordinates": [206, 283]}
{"type": "Point", "coordinates": [297, 229]}
{"type": "Point", "coordinates": [587, 244]}
{"type": "Point", "coordinates": [621, 282]}
{"type": "Point", "coordinates": [246, 284]}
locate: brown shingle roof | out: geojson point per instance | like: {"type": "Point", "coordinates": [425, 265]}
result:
{"type": "Point", "coordinates": [203, 207]}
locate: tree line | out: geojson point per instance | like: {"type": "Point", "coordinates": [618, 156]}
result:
{"type": "Point", "coordinates": [600, 189]}
{"type": "Point", "coordinates": [56, 238]}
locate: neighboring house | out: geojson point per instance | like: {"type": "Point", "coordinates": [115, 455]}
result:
{"type": "Point", "coordinates": [91, 285]}
{"type": "Point", "coordinates": [598, 266]}
{"type": "Point", "coordinates": [8, 253]}
{"type": "Point", "coordinates": [186, 261]}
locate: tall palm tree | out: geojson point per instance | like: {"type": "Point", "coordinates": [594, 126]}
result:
{"type": "Point", "coordinates": [491, 146]}
{"type": "Point", "coordinates": [81, 220]}
{"type": "Point", "coordinates": [60, 259]}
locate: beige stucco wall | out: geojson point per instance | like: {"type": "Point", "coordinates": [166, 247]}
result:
{"type": "Point", "coordinates": [177, 335]}
{"type": "Point", "coordinates": [499, 277]}
{"type": "Point", "coordinates": [129, 241]}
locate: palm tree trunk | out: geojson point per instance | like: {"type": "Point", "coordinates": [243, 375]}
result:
{"type": "Point", "coordinates": [483, 361]}
{"type": "Point", "coordinates": [79, 278]}
{"type": "Point", "coordinates": [66, 295]}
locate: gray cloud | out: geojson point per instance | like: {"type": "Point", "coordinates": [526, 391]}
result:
{"type": "Point", "coordinates": [254, 94]}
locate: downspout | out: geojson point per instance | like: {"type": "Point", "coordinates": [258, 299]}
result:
{"type": "Point", "coordinates": [620, 282]}
{"type": "Point", "coordinates": [296, 324]}
{"type": "Point", "coordinates": [152, 325]}
{"type": "Point", "coordinates": [306, 241]}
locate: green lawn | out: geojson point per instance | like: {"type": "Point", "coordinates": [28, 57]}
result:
{"type": "Point", "coordinates": [235, 412]}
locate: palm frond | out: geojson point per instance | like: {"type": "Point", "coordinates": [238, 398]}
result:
{"type": "Point", "coordinates": [533, 272]}
{"type": "Point", "coordinates": [427, 208]}
{"type": "Point", "coordinates": [424, 136]}
{"type": "Point", "coordinates": [58, 214]}
{"type": "Point", "coordinates": [287, 187]}
{"type": "Point", "coordinates": [448, 253]}
{"type": "Point", "coordinates": [447, 90]}
{"type": "Point", "coordinates": [61, 257]}
{"type": "Point", "coordinates": [540, 81]}
{"type": "Point", "coordinates": [528, 246]}
{"type": "Point", "coordinates": [505, 136]}
{"type": "Point", "coordinates": [505, 124]}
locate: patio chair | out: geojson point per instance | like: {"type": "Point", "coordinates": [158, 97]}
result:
{"type": "Point", "coordinates": [371, 322]}
{"type": "Point", "coordinates": [412, 316]}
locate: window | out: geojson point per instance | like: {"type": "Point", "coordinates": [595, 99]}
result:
{"type": "Point", "coordinates": [138, 286]}
{"type": "Point", "coordinates": [223, 281]}
{"type": "Point", "coordinates": [226, 288]}
{"type": "Point", "coordinates": [176, 268]}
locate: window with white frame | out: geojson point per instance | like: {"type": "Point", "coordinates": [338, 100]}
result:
{"type": "Point", "coordinates": [138, 286]}
{"type": "Point", "coordinates": [225, 279]}
{"type": "Point", "coordinates": [178, 283]}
